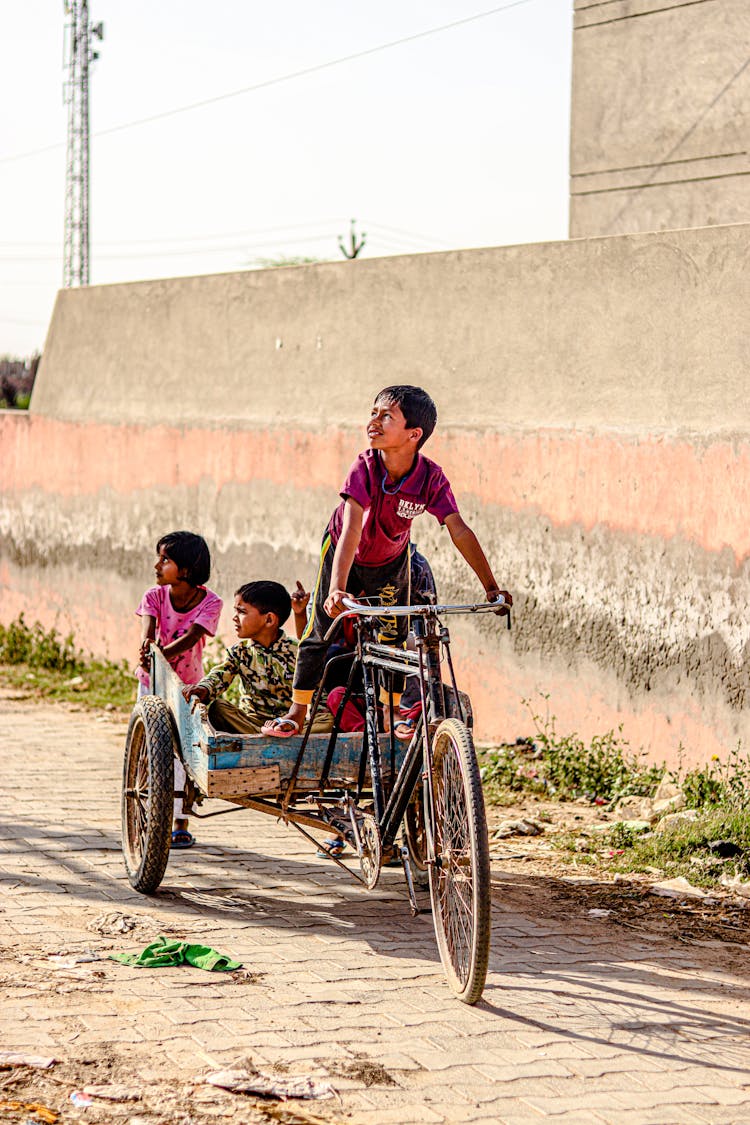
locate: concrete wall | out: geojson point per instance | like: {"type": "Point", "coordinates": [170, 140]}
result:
{"type": "Point", "coordinates": [660, 115]}
{"type": "Point", "coordinates": [593, 420]}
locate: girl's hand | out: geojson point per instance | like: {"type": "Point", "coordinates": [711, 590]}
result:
{"type": "Point", "coordinates": [300, 598]}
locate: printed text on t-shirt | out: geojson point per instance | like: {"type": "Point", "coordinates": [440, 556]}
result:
{"type": "Point", "coordinates": [407, 509]}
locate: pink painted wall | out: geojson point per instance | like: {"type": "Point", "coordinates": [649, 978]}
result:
{"type": "Point", "coordinates": [592, 422]}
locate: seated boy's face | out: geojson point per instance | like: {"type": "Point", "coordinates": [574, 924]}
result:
{"type": "Point", "coordinates": [248, 620]}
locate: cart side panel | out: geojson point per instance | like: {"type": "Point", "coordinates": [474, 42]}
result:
{"type": "Point", "coordinates": [189, 725]}
{"type": "Point", "coordinates": [255, 763]}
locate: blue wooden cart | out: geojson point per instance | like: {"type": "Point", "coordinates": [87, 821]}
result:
{"type": "Point", "coordinates": [251, 771]}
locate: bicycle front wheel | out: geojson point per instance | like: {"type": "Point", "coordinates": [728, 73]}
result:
{"type": "Point", "coordinates": [460, 875]}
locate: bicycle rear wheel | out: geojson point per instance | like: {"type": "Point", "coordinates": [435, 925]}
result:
{"type": "Point", "coordinates": [460, 876]}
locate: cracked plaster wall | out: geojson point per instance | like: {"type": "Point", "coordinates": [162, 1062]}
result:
{"type": "Point", "coordinates": [606, 470]}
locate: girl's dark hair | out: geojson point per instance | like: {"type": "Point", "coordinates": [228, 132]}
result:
{"type": "Point", "coordinates": [267, 597]}
{"type": "Point", "coordinates": [190, 552]}
{"type": "Point", "coordinates": [416, 406]}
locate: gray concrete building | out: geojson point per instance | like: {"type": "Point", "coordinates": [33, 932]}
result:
{"type": "Point", "coordinates": [660, 120]}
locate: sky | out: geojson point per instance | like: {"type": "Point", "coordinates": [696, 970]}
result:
{"type": "Point", "coordinates": [456, 138]}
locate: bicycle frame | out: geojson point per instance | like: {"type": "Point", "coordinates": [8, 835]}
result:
{"type": "Point", "coordinates": [376, 661]}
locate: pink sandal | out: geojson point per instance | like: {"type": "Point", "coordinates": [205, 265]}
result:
{"type": "Point", "coordinates": [404, 729]}
{"type": "Point", "coordinates": [276, 728]}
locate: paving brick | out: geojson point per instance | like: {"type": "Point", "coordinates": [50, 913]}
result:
{"type": "Point", "coordinates": [599, 1026]}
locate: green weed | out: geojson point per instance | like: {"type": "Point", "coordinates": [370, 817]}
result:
{"type": "Point", "coordinates": [41, 663]}
{"type": "Point", "coordinates": [24, 644]}
{"type": "Point", "coordinates": [720, 784]}
{"type": "Point", "coordinates": [691, 848]}
{"type": "Point", "coordinates": [565, 767]}
{"type": "Point", "coordinates": [215, 653]}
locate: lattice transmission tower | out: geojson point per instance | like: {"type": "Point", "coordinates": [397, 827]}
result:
{"type": "Point", "coordinates": [78, 54]}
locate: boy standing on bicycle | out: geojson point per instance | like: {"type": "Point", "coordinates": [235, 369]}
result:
{"type": "Point", "coordinates": [365, 550]}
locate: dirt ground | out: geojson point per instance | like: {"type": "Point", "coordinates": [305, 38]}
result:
{"type": "Point", "coordinates": [529, 875]}
{"type": "Point", "coordinates": [563, 883]}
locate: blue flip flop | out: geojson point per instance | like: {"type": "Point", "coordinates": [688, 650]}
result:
{"type": "Point", "coordinates": [333, 847]}
{"type": "Point", "coordinates": [181, 838]}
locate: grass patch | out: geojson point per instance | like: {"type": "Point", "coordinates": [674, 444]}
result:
{"type": "Point", "coordinates": [548, 765]}
{"type": "Point", "coordinates": [691, 848]}
{"type": "Point", "coordinates": [45, 665]}
{"type": "Point", "coordinates": [566, 768]}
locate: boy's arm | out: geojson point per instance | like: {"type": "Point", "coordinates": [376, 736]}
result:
{"type": "Point", "coordinates": [300, 598]}
{"type": "Point", "coordinates": [467, 544]}
{"type": "Point", "coordinates": [346, 549]}
{"type": "Point", "coordinates": [216, 681]}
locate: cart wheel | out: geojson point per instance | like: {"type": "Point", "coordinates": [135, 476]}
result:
{"type": "Point", "coordinates": [148, 793]}
{"type": "Point", "coordinates": [460, 876]}
{"type": "Point", "coordinates": [415, 838]}
{"type": "Point", "coordinates": [372, 853]}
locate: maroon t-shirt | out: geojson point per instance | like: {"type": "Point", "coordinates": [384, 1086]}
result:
{"type": "Point", "coordinates": [390, 508]}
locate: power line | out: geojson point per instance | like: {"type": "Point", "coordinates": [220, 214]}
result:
{"type": "Point", "coordinates": [183, 239]}
{"type": "Point", "coordinates": [383, 231]}
{"type": "Point", "coordinates": [293, 75]}
{"type": "Point", "coordinates": [411, 235]}
{"type": "Point", "coordinates": [237, 249]}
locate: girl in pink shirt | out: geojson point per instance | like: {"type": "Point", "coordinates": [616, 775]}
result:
{"type": "Point", "coordinates": [178, 614]}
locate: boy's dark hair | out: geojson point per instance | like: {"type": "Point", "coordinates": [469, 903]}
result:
{"type": "Point", "coordinates": [267, 597]}
{"type": "Point", "coordinates": [416, 406]}
{"type": "Point", "coordinates": [190, 552]}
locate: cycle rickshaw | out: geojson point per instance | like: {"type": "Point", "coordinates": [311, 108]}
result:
{"type": "Point", "coordinates": [419, 802]}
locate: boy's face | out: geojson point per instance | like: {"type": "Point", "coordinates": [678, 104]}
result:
{"type": "Point", "coordinates": [248, 621]}
{"type": "Point", "coordinates": [387, 429]}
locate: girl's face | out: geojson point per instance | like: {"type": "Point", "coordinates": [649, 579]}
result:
{"type": "Point", "coordinates": [167, 571]}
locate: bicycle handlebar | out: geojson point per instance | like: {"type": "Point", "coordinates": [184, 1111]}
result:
{"type": "Point", "coordinates": [360, 609]}
{"type": "Point", "coordinates": [354, 608]}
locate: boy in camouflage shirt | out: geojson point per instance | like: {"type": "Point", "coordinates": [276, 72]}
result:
{"type": "Point", "coordinates": [263, 660]}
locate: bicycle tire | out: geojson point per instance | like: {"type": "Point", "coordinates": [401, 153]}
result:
{"type": "Point", "coordinates": [415, 838]}
{"type": "Point", "coordinates": [460, 876]}
{"type": "Point", "coordinates": [148, 793]}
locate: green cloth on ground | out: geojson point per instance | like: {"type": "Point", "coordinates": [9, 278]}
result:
{"type": "Point", "coordinates": [163, 954]}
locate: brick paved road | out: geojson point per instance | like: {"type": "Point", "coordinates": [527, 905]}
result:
{"type": "Point", "coordinates": [581, 1022]}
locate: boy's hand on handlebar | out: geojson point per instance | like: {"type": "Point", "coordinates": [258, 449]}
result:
{"type": "Point", "coordinates": [194, 691]}
{"type": "Point", "coordinates": [492, 595]}
{"type": "Point", "coordinates": [334, 603]}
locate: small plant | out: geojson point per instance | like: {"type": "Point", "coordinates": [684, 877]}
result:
{"type": "Point", "coordinates": [692, 848]}
{"type": "Point", "coordinates": [566, 767]}
{"type": "Point", "coordinates": [720, 784]}
{"type": "Point", "coordinates": [604, 770]}
{"type": "Point", "coordinates": [41, 663]}
{"type": "Point", "coordinates": [24, 644]}
{"type": "Point", "coordinates": [215, 653]}
{"type": "Point", "coordinates": [512, 767]}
